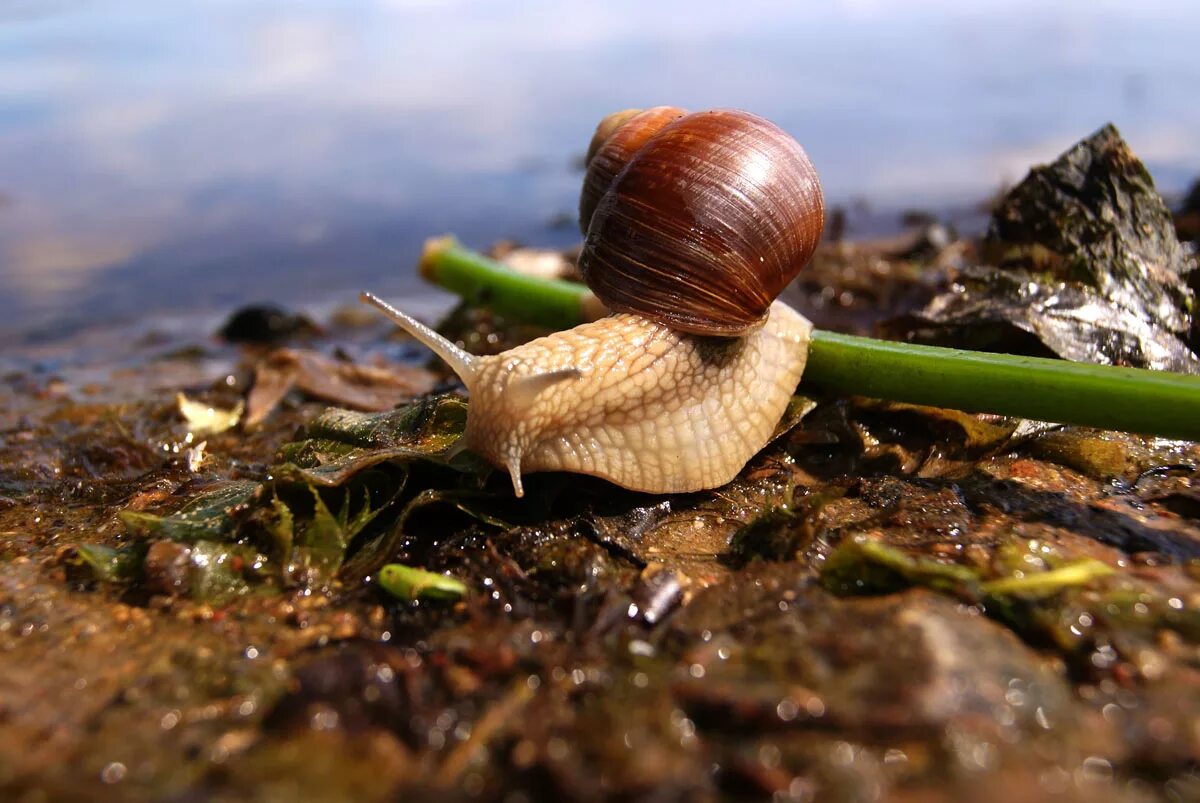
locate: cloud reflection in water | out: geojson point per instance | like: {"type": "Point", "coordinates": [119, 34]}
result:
{"type": "Point", "coordinates": [210, 153]}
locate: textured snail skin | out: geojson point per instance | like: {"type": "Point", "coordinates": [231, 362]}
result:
{"type": "Point", "coordinates": [637, 403]}
{"type": "Point", "coordinates": [627, 399]}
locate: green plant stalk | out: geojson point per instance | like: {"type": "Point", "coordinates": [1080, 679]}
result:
{"type": "Point", "coordinates": [1103, 396]}
{"type": "Point", "coordinates": [1128, 399]}
{"type": "Point", "coordinates": [483, 282]}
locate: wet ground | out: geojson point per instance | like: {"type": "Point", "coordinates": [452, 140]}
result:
{"type": "Point", "coordinates": [890, 603]}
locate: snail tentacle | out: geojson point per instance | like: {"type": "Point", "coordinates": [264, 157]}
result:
{"type": "Point", "coordinates": [464, 365]}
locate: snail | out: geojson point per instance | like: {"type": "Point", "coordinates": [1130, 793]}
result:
{"type": "Point", "coordinates": [693, 223]}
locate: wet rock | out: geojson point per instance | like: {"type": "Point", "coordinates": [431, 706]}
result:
{"type": "Point", "coordinates": [265, 323]}
{"type": "Point", "coordinates": [921, 510]}
{"type": "Point", "coordinates": [907, 663]}
{"type": "Point", "coordinates": [777, 534]}
{"type": "Point", "coordinates": [168, 567]}
{"type": "Point", "coordinates": [926, 242]}
{"type": "Point", "coordinates": [1093, 217]}
{"type": "Point", "coordinates": [657, 592]}
{"type": "Point", "coordinates": [1086, 265]}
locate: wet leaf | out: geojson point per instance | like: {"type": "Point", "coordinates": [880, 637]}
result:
{"type": "Point", "coordinates": [363, 387]}
{"type": "Point", "coordinates": [282, 528]}
{"type": "Point", "coordinates": [110, 565]}
{"type": "Point", "coordinates": [475, 504]}
{"type": "Point", "coordinates": [208, 571]}
{"type": "Point", "coordinates": [209, 516]}
{"type": "Point", "coordinates": [1036, 584]}
{"type": "Point", "coordinates": [863, 565]}
{"type": "Point", "coordinates": [339, 444]}
{"type": "Point", "coordinates": [977, 432]}
{"type": "Point", "coordinates": [204, 419]}
{"type": "Point", "coordinates": [327, 535]}
{"type": "Point", "coordinates": [1087, 452]}
{"type": "Point", "coordinates": [798, 407]}
{"type": "Point", "coordinates": [408, 583]}
{"type": "Point", "coordinates": [692, 531]}
{"type": "Point", "coordinates": [773, 535]}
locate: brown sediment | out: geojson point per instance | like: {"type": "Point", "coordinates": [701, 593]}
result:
{"type": "Point", "coordinates": [782, 658]}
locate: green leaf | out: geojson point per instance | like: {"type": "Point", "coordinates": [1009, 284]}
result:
{"type": "Point", "coordinates": [282, 529]}
{"type": "Point", "coordinates": [327, 535]}
{"type": "Point", "coordinates": [110, 565]}
{"type": "Point", "coordinates": [374, 553]}
{"type": "Point", "coordinates": [219, 571]}
{"type": "Point", "coordinates": [208, 517]}
{"type": "Point", "coordinates": [339, 444]}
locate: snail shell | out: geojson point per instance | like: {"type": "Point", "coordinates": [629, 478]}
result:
{"type": "Point", "coordinates": [699, 220]}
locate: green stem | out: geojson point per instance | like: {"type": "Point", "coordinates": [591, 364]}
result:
{"type": "Point", "coordinates": [1129, 399]}
{"type": "Point", "coordinates": [1102, 396]}
{"type": "Point", "coordinates": [483, 282]}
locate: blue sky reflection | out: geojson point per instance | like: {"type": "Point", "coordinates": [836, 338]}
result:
{"type": "Point", "coordinates": [184, 154]}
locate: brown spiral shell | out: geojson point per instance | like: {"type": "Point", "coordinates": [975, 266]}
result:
{"type": "Point", "coordinates": [696, 220]}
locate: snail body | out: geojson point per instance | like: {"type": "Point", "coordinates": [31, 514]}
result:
{"type": "Point", "coordinates": [693, 223]}
{"type": "Point", "coordinates": [628, 399]}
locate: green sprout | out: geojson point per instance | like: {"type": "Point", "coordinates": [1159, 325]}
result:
{"type": "Point", "coordinates": [408, 583]}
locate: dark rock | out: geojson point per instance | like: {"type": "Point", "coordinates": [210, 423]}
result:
{"type": "Point", "coordinates": [1094, 218]}
{"type": "Point", "coordinates": [265, 323]}
{"type": "Point", "coordinates": [1086, 260]}
{"type": "Point", "coordinates": [657, 592]}
{"type": "Point", "coordinates": [926, 242]}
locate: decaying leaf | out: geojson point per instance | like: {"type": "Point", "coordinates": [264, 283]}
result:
{"type": "Point", "coordinates": [341, 443]}
{"type": "Point", "coordinates": [1035, 584]}
{"type": "Point", "coordinates": [1084, 258]}
{"type": "Point", "coordinates": [204, 418]}
{"type": "Point", "coordinates": [209, 516]}
{"type": "Point", "coordinates": [862, 564]}
{"type": "Point", "coordinates": [362, 387]}
{"type": "Point", "coordinates": [108, 564]}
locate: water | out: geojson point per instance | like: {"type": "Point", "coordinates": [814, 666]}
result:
{"type": "Point", "coordinates": [157, 158]}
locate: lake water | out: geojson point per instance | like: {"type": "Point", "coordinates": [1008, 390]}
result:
{"type": "Point", "coordinates": [162, 157]}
